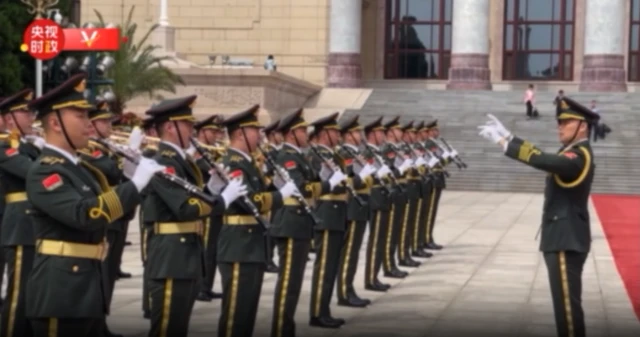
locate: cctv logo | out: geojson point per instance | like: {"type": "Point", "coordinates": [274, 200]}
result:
{"type": "Point", "coordinates": [99, 39]}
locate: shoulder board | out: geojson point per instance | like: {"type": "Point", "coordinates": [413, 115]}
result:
{"type": "Point", "coordinates": [10, 152]}
{"type": "Point", "coordinates": [4, 136]}
{"type": "Point", "coordinates": [289, 150]}
{"type": "Point", "coordinates": [168, 153]}
{"type": "Point", "coordinates": [51, 160]}
{"type": "Point", "coordinates": [235, 158]}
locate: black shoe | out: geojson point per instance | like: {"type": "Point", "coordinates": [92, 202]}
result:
{"type": "Point", "coordinates": [434, 246]}
{"type": "Point", "coordinates": [325, 322]}
{"type": "Point", "coordinates": [383, 285]}
{"type": "Point", "coordinates": [409, 262]}
{"type": "Point", "coordinates": [127, 243]}
{"type": "Point", "coordinates": [354, 302]}
{"type": "Point", "coordinates": [421, 253]}
{"type": "Point", "coordinates": [122, 274]}
{"type": "Point", "coordinates": [214, 295]}
{"type": "Point", "coordinates": [396, 274]}
{"type": "Point", "coordinates": [146, 314]}
{"type": "Point", "coordinates": [203, 297]}
{"type": "Point", "coordinates": [377, 286]}
{"type": "Point", "coordinates": [272, 268]}
{"type": "Point", "coordinates": [108, 333]}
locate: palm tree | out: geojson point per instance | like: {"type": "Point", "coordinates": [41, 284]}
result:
{"type": "Point", "coordinates": [137, 70]}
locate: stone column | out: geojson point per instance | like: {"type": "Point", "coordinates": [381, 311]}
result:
{"type": "Point", "coordinates": [470, 46]}
{"type": "Point", "coordinates": [343, 66]}
{"type": "Point", "coordinates": [164, 35]}
{"type": "Point", "coordinates": [603, 64]}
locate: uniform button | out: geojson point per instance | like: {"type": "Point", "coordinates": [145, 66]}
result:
{"type": "Point", "coordinates": [555, 217]}
{"type": "Point", "coordinates": [250, 230]}
{"type": "Point", "coordinates": [298, 211]}
{"type": "Point", "coordinates": [183, 239]}
{"type": "Point", "coordinates": [75, 268]}
{"type": "Point", "coordinates": [335, 206]}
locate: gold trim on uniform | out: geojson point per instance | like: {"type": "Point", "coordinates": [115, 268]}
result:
{"type": "Point", "coordinates": [239, 220]}
{"type": "Point", "coordinates": [15, 197]}
{"type": "Point", "coordinates": [565, 292]}
{"type": "Point", "coordinates": [72, 249]}
{"type": "Point", "coordinates": [323, 262]}
{"type": "Point", "coordinates": [186, 227]}
{"type": "Point", "coordinates": [583, 173]}
{"type": "Point", "coordinates": [15, 292]}
{"type": "Point", "coordinates": [53, 327]}
{"type": "Point", "coordinates": [265, 201]}
{"type": "Point", "coordinates": [235, 279]}
{"type": "Point", "coordinates": [282, 301]}
{"type": "Point", "coordinates": [314, 188]}
{"type": "Point", "coordinates": [166, 307]}
{"type": "Point", "coordinates": [347, 258]}
{"type": "Point", "coordinates": [294, 202]}
{"type": "Point", "coordinates": [376, 232]}
{"type": "Point", "coordinates": [387, 246]}
{"type": "Point", "coordinates": [417, 227]}
{"type": "Point", "coordinates": [82, 104]}
{"type": "Point", "coordinates": [334, 197]}
{"type": "Point", "coordinates": [403, 231]}
{"type": "Point", "coordinates": [571, 115]}
{"type": "Point", "coordinates": [432, 200]}
{"type": "Point", "coordinates": [203, 208]}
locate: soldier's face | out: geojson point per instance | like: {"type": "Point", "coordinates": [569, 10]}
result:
{"type": "Point", "coordinates": [22, 119]}
{"type": "Point", "coordinates": [355, 137]}
{"type": "Point", "coordinates": [76, 124]}
{"type": "Point", "coordinates": [301, 138]}
{"type": "Point", "coordinates": [567, 128]}
{"type": "Point", "coordinates": [208, 136]}
{"type": "Point", "coordinates": [186, 130]}
{"type": "Point", "coordinates": [103, 127]}
{"type": "Point", "coordinates": [253, 137]}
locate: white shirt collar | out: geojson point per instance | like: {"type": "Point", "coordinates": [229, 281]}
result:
{"type": "Point", "coordinates": [177, 148]}
{"type": "Point", "coordinates": [574, 143]}
{"type": "Point", "coordinates": [73, 158]}
{"type": "Point", "coordinates": [244, 154]}
{"type": "Point", "coordinates": [375, 147]}
{"type": "Point", "coordinates": [324, 146]}
{"type": "Point", "coordinates": [351, 146]}
{"type": "Point", "coordinates": [293, 147]}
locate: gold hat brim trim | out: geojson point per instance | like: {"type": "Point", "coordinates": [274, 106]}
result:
{"type": "Point", "coordinates": [570, 115]}
{"type": "Point", "coordinates": [80, 104]}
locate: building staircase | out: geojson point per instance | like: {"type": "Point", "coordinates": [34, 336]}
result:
{"type": "Point", "coordinates": [459, 113]}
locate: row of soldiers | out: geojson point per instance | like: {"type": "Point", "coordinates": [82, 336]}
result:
{"type": "Point", "coordinates": [203, 208]}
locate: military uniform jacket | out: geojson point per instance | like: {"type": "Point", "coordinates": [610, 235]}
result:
{"type": "Point", "coordinates": [390, 154]}
{"type": "Point", "coordinates": [4, 139]}
{"type": "Point", "coordinates": [17, 227]}
{"type": "Point", "coordinates": [565, 216]}
{"type": "Point", "coordinates": [110, 165]}
{"type": "Point", "coordinates": [355, 211]}
{"type": "Point", "coordinates": [178, 255]}
{"type": "Point", "coordinates": [70, 206]}
{"type": "Point", "coordinates": [412, 176]}
{"type": "Point", "coordinates": [291, 221]}
{"type": "Point", "coordinates": [424, 172]}
{"type": "Point", "coordinates": [330, 207]}
{"type": "Point", "coordinates": [241, 238]}
{"type": "Point", "coordinates": [380, 199]}
{"type": "Point", "coordinates": [438, 171]}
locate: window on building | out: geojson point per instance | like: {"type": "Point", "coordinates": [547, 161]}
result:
{"type": "Point", "coordinates": [418, 39]}
{"type": "Point", "coordinates": [634, 42]}
{"type": "Point", "coordinates": [538, 40]}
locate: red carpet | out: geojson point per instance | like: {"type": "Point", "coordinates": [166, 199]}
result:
{"type": "Point", "coordinates": [620, 218]}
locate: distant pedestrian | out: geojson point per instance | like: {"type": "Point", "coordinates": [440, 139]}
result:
{"type": "Point", "coordinates": [529, 101]}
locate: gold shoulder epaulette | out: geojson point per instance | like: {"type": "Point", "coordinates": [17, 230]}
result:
{"type": "Point", "coordinates": [234, 158]}
{"type": "Point", "coordinates": [51, 160]}
{"type": "Point", "coordinates": [168, 153]}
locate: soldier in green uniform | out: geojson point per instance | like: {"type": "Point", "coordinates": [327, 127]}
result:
{"type": "Point", "coordinates": [4, 137]}
{"type": "Point", "coordinates": [396, 160]}
{"type": "Point", "coordinates": [109, 164]}
{"type": "Point", "coordinates": [206, 131]}
{"type": "Point", "coordinates": [331, 208]}
{"type": "Point", "coordinates": [274, 144]}
{"type": "Point", "coordinates": [175, 260]}
{"type": "Point", "coordinates": [427, 191]}
{"type": "Point", "coordinates": [439, 184]}
{"type": "Point", "coordinates": [16, 157]}
{"type": "Point", "coordinates": [566, 234]}
{"type": "Point", "coordinates": [242, 251]}
{"type": "Point", "coordinates": [292, 228]}
{"type": "Point", "coordinates": [72, 205]}
{"type": "Point", "coordinates": [380, 201]}
{"type": "Point", "coordinates": [149, 151]}
{"type": "Point", "coordinates": [360, 173]}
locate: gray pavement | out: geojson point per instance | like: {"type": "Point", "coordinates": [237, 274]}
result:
{"type": "Point", "coordinates": [489, 280]}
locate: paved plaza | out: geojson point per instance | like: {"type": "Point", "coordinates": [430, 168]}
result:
{"type": "Point", "coordinates": [489, 279]}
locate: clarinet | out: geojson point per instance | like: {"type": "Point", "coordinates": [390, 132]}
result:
{"type": "Point", "coordinates": [333, 166]}
{"type": "Point", "coordinates": [246, 203]}
{"type": "Point", "coordinates": [355, 156]}
{"type": "Point", "coordinates": [173, 179]}
{"type": "Point", "coordinates": [464, 165]}
{"type": "Point", "coordinates": [284, 175]}
{"type": "Point", "coordinates": [392, 177]}
{"type": "Point", "coordinates": [433, 154]}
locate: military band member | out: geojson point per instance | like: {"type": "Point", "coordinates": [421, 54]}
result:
{"type": "Point", "coordinates": [242, 251]}
{"type": "Point", "coordinates": [4, 137]}
{"type": "Point", "coordinates": [17, 155]}
{"type": "Point", "coordinates": [380, 201]}
{"type": "Point", "coordinates": [360, 173]}
{"type": "Point", "coordinates": [292, 226]}
{"type": "Point", "coordinates": [439, 183]}
{"type": "Point", "coordinates": [274, 144]}
{"type": "Point", "coordinates": [331, 208]}
{"type": "Point", "coordinates": [206, 131]}
{"type": "Point", "coordinates": [148, 151]}
{"type": "Point", "coordinates": [427, 189]}
{"type": "Point", "coordinates": [72, 205]}
{"type": "Point", "coordinates": [410, 208]}
{"type": "Point", "coordinates": [175, 265]}
{"type": "Point", "coordinates": [395, 159]}
{"type": "Point", "coordinates": [566, 235]}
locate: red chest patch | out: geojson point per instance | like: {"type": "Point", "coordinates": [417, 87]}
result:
{"type": "Point", "coordinates": [290, 165]}
{"type": "Point", "coordinates": [11, 152]}
{"type": "Point", "coordinates": [570, 155]}
{"type": "Point", "coordinates": [96, 154]}
{"type": "Point", "coordinates": [348, 161]}
{"type": "Point", "coordinates": [391, 155]}
{"type": "Point", "coordinates": [52, 182]}
{"type": "Point", "coordinates": [236, 174]}
{"type": "Point", "coordinates": [370, 160]}
{"type": "Point", "coordinates": [170, 170]}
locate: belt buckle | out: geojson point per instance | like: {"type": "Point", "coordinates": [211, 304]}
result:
{"type": "Point", "coordinates": [103, 250]}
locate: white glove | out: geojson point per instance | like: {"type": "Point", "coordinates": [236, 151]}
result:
{"type": "Point", "coordinates": [135, 138]}
{"type": "Point", "coordinates": [366, 171]}
{"type": "Point", "coordinates": [420, 162]}
{"type": "Point", "coordinates": [502, 131]}
{"type": "Point", "coordinates": [383, 171]}
{"type": "Point", "coordinates": [215, 183]}
{"type": "Point", "coordinates": [288, 190]}
{"type": "Point", "coordinates": [454, 153]}
{"type": "Point", "coordinates": [446, 154]}
{"type": "Point", "coordinates": [490, 133]}
{"type": "Point", "coordinates": [407, 164]}
{"type": "Point", "coordinates": [36, 141]}
{"type": "Point", "coordinates": [433, 161]}
{"type": "Point", "coordinates": [144, 172]}
{"type": "Point", "coordinates": [234, 190]}
{"type": "Point", "coordinates": [128, 168]}
{"type": "Point", "coordinates": [191, 150]}
{"type": "Point", "coordinates": [337, 178]}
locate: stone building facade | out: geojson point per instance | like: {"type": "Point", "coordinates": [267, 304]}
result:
{"type": "Point", "coordinates": [593, 45]}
